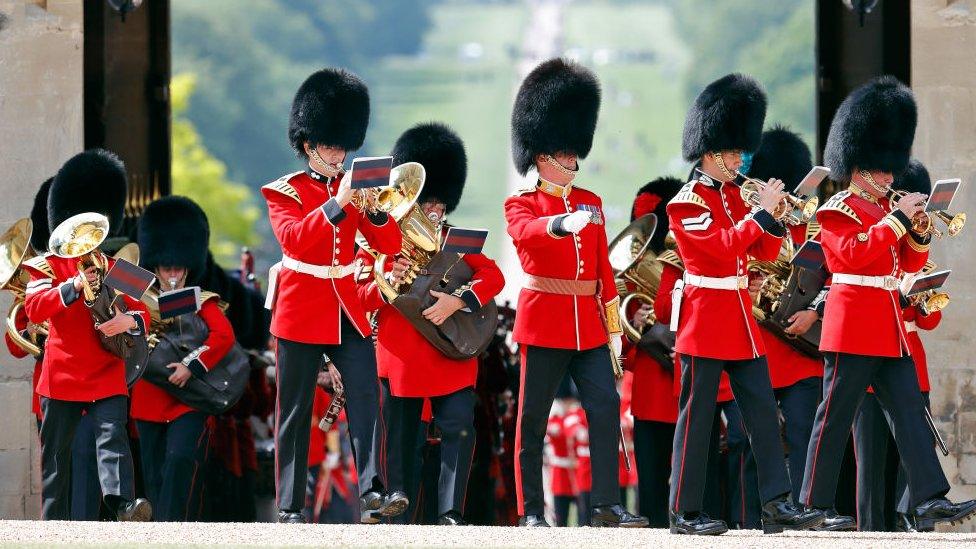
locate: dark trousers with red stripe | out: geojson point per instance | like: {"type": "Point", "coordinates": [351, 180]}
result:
{"type": "Point", "coordinates": [454, 418]}
{"type": "Point", "coordinates": [846, 379]}
{"type": "Point", "coordinates": [172, 456]}
{"type": "Point", "coordinates": [652, 452]}
{"type": "Point", "coordinates": [297, 369]}
{"type": "Point", "coordinates": [754, 394]}
{"type": "Point", "coordinates": [543, 368]}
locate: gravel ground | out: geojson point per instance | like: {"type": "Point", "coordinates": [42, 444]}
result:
{"type": "Point", "coordinates": [18, 533]}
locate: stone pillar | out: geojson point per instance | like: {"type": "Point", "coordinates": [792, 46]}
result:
{"type": "Point", "coordinates": [42, 124]}
{"type": "Point", "coordinates": [944, 81]}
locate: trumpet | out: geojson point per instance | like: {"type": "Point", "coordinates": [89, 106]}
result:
{"type": "Point", "coordinates": [930, 301]}
{"type": "Point", "coordinates": [793, 210]}
{"type": "Point", "coordinates": [924, 222]}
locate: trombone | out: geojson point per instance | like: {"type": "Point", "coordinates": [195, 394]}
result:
{"type": "Point", "coordinates": [793, 210]}
{"type": "Point", "coordinates": [924, 222]}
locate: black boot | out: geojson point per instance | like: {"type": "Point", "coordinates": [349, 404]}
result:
{"type": "Point", "coordinates": [139, 510]}
{"type": "Point", "coordinates": [290, 517]}
{"type": "Point", "coordinates": [835, 522]}
{"type": "Point", "coordinates": [450, 518]}
{"type": "Point", "coordinates": [781, 514]}
{"type": "Point", "coordinates": [905, 523]}
{"type": "Point", "coordinates": [937, 510]}
{"type": "Point", "coordinates": [375, 506]}
{"type": "Point", "coordinates": [616, 516]}
{"type": "Point", "coordinates": [534, 521]}
{"type": "Point", "coordinates": [696, 524]}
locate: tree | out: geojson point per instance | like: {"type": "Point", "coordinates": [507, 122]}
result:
{"type": "Point", "coordinates": [201, 177]}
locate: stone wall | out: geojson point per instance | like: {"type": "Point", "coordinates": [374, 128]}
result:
{"type": "Point", "coordinates": [41, 125]}
{"type": "Point", "coordinates": [944, 80]}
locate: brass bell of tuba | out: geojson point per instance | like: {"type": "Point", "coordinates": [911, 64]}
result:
{"type": "Point", "coordinates": [14, 250]}
{"type": "Point", "coordinates": [633, 261]}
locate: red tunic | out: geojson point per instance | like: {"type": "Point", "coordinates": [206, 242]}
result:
{"type": "Point", "coordinates": [930, 322]}
{"type": "Point", "coordinates": [579, 433]}
{"type": "Point", "coordinates": [76, 366]}
{"type": "Point", "coordinates": [413, 366]}
{"type": "Point", "coordinates": [862, 237]}
{"type": "Point", "coordinates": [652, 397]}
{"type": "Point", "coordinates": [151, 403]}
{"type": "Point", "coordinates": [716, 236]}
{"type": "Point", "coordinates": [308, 309]}
{"type": "Point", "coordinates": [554, 320]}
{"type": "Point", "coordinates": [787, 365]}
{"type": "Point", "coordinates": [21, 324]}
{"type": "Point", "coordinates": [561, 463]}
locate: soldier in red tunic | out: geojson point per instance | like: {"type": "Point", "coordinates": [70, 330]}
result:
{"type": "Point", "coordinates": [654, 405]}
{"type": "Point", "coordinates": [872, 437]}
{"type": "Point", "coordinates": [568, 309]}
{"type": "Point", "coordinates": [79, 375]}
{"type": "Point", "coordinates": [316, 309]}
{"type": "Point", "coordinates": [411, 367]}
{"type": "Point", "coordinates": [173, 240]}
{"type": "Point", "coordinates": [867, 242]}
{"type": "Point", "coordinates": [716, 235]}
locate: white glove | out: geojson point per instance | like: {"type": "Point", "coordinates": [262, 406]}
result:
{"type": "Point", "coordinates": [574, 222]}
{"type": "Point", "coordinates": [617, 345]}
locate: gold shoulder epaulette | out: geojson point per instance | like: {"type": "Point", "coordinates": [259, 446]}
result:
{"type": "Point", "coordinates": [813, 229]}
{"type": "Point", "coordinates": [39, 263]}
{"type": "Point", "coordinates": [206, 296]}
{"type": "Point", "coordinates": [524, 190]}
{"type": "Point", "coordinates": [836, 204]}
{"type": "Point", "coordinates": [687, 195]}
{"type": "Point", "coordinates": [671, 257]}
{"type": "Point", "coordinates": [284, 187]}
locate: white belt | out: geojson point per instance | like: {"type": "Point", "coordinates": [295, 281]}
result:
{"type": "Point", "coordinates": [885, 282]}
{"type": "Point", "coordinates": [714, 283]}
{"type": "Point", "coordinates": [911, 326]}
{"type": "Point", "coordinates": [325, 272]}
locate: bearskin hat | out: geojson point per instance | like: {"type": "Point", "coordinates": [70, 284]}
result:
{"type": "Point", "coordinates": [441, 152]}
{"type": "Point", "coordinates": [781, 154]}
{"type": "Point", "coordinates": [873, 129]}
{"type": "Point", "coordinates": [330, 108]}
{"type": "Point", "coordinates": [653, 198]}
{"type": "Point", "coordinates": [915, 179]}
{"type": "Point", "coordinates": [41, 232]}
{"type": "Point", "coordinates": [555, 110]}
{"type": "Point", "coordinates": [91, 181]}
{"type": "Point", "coordinates": [174, 232]}
{"type": "Point", "coordinates": [727, 115]}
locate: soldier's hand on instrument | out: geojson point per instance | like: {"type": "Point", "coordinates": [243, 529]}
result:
{"type": "Point", "coordinates": [800, 322]}
{"type": "Point", "coordinates": [445, 306]}
{"type": "Point", "coordinates": [181, 374]}
{"type": "Point", "coordinates": [911, 204]}
{"type": "Point", "coordinates": [771, 195]}
{"type": "Point", "coordinates": [642, 314]}
{"type": "Point", "coordinates": [575, 221]}
{"type": "Point", "coordinates": [118, 324]}
{"type": "Point", "coordinates": [399, 270]}
{"type": "Point", "coordinates": [344, 194]}
{"type": "Point", "coordinates": [91, 273]}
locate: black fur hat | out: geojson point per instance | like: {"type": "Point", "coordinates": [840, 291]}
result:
{"type": "Point", "coordinates": [174, 232]}
{"type": "Point", "coordinates": [727, 115]}
{"type": "Point", "coordinates": [915, 179]}
{"type": "Point", "coordinates": [330, 108]}
{"type": "Point", "coordinates": [91, 181]}
{"type": "Point", "coordinates": [873, 129]}
{"type": "Point", "coordinates": [441, 152]}
{"type": "Point", "coordinates": [555, 111]}
{"type": "Point", "coordinates": [41, 232]}
{"type": "Point", "coordinates": [781, 154]}
{"type": "Point", "coordinates": [653, 198]}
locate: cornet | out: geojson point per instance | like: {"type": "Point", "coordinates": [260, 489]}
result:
{"type": "Point", "coordinates": [793, 210]}
{"type": "Point", "coordinates": [924, 222]}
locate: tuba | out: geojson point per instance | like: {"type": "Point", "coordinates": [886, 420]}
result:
{"type": "Point", "coordinates": [463, 335]}
{"type": "Point", "coordinates": [14, 249]}
{"type": "Point", "coordinates": [79, 237]}
{"type": "Point", "coordinates": [633, 261]}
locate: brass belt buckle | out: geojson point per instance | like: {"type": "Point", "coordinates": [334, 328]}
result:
{"type": "Point", "coordinates": [335, 271]}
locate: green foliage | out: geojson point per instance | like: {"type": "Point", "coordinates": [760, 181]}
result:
{"type": "Point", "coordinates": [201, 177]}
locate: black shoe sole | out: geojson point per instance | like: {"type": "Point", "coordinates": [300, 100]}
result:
{"type": "Point", "coordinates": [142, 512]}
{"type": "Point", "coordinates": [370, 517]}
{"type": "Point", "coordinates": [807, 525]}
{"type": "Point", "coordinates": [928, 525]}
{"type": "Point", "coordinates": [395, 507]}
{"type": "Point", "coordinates": [849, 527]}
{"type": "Point", "coordinates": [712, 532]}
{"type": "Point", "coordinates": [599, 523]}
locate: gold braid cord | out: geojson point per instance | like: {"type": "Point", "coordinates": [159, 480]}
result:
{"type": "Point", "coordinates": [612, 311]}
